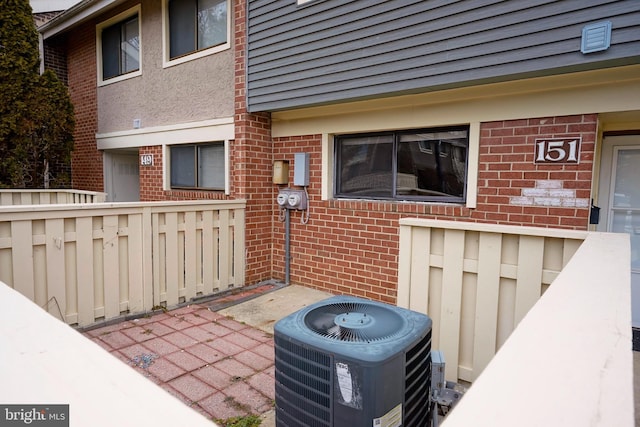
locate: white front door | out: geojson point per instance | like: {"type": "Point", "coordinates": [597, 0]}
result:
{"type": "Point", "coordinates": [619, 200]}
{"type": "Point", "coordinates": [122, 176]}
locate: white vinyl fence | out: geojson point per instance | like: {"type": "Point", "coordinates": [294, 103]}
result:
{"type": "Point", "coordinates": [10, 197]}
{"type": "Point", "coordinates": [569, 361]}
{"type": "Point", "coordinates": [94, 262]}
{"type": "Point", "coordinates": [477, 282]}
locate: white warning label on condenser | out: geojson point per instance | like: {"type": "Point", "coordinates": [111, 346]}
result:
{"type": "Point", "coordinates": [344, 381]}
{"type": "Point", "coordinates": [393, 418]}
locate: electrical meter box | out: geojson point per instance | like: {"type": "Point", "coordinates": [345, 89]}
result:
{"type": "Point", "coordinates": [289, 198]}
{"type": "Point", "coordinates": [301, 169]}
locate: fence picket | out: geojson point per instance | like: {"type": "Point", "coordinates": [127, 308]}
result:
{"type": "Point", "coordinates": [419, 295]}
{"type": "Point", "coordinates": [137, 264]}
{"type": "Point", "coordinates": [238, 247]}
{"type": "Point", "coordinates": [208, 258]}
{"type": "Point", "coordinates": [224, 245]}
{"type": "Point", "coordinates": [452, 298]}
{"type": "Point", "coordinates": [111, 257]}
{"type": "Point", "coordinates": [487, 294]}
{"type": "Point", "coordinates": [155, 249]}
{"type": "Point", "coordinates": [22, 257]}
{"type": "Point", "coordinates": [84, 270]}
{"type": "Point", "coordinates": [55, 256]}
{"type": "Point", "coordinates": [529, 278]}
{"type": "Point", "coordinates": [172, 260]}
{"type": "Point", "coordinates": [190, 255]}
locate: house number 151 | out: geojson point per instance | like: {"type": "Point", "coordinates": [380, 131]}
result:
{"type": "Point", "coordinates": [558, 150]}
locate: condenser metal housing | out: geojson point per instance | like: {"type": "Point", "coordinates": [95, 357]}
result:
{"type": "Point", "coordinates": [348, 361]}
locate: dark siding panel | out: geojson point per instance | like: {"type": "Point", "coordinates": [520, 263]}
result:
{"type": "Point", "coordinates": [331, 50]}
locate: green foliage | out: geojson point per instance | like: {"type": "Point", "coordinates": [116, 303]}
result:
{"type": "Point", "coordinates": [36, 114]}
{"type": "Point", "coordinates": [19, 62]}
{"type": "Point", "coordinates": [246, 421]}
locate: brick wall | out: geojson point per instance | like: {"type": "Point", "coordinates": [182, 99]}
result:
{"type": "Point", "coordinates": [514, 190]}
{"type": "Point", "coordinates": [351, 246]}
{"type": "Point", "coordinates": [252, 164]}
{"type": "Point", "coordinates": [55, 57]}
{"type": "Point", "coordinates": [86, 161]}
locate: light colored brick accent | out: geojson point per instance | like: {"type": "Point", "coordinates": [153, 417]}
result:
{"type": "Point", "coordinates": [549, 183]}
{"type": "Point", "coordinates": [549, 193]}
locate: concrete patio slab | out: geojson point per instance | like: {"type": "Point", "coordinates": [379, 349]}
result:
{"type": "Point", "coordinates": [264, 311]}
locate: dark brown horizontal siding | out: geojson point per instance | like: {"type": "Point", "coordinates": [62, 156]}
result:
{"type": "Point", "coordinates": [332, 51]}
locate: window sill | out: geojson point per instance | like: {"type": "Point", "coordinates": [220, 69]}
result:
{"type": "Point", "coordinates": [451, 209]}
{"type": "Point", "coordinates": [120, 78]}
{"type": "Point", "coordinates": [195, 55]}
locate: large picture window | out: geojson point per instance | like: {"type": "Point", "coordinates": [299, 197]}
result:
{"type": "Point", "coordinates": [120, 45]}
{"type": "Point", "coordinates": [195, 25]}
{"type": "Point", "coordinates": [198, 166]}
{"type": "Point", "coordinates": [425, 164]}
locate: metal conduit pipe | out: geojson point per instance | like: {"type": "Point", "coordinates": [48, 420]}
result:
{"type": "Point", "coordinates": [287, 241]}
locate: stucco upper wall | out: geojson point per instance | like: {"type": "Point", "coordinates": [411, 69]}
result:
{"type": "Point", "coordinates": [328, 51]}
{"type": "Point", "coordinates": [196, 90]}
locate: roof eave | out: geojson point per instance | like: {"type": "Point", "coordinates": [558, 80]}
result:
{"type": "Point", "coordinates": [75, 15]}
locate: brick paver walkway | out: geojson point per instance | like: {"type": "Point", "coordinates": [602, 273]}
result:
{"type": "Point", "coordinates": [220, 367]}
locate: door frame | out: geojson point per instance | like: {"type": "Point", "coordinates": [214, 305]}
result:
{"type": "Point", "coordinates": [610, 144]}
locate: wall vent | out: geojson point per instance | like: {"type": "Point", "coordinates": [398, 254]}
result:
{"type": "Point", "coordinates": [596, 37]}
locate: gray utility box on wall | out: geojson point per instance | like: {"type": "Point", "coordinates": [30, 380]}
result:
{"type": "Point", "coordinates": [301, 169]}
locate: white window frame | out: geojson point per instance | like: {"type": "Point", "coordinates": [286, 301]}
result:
{"type": "Point", "coordinates": [328, 178]}
{"type": "Point", "coordinates": [168, 163]}
{"type": "Point", "coordinates": [166, 166]}
{"type": "Point", "coordinates": [166, 59]}
{"type": "Point", "coordinates": [111, 21]}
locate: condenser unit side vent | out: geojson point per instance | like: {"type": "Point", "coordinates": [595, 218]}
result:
{"type": "Point", "coordinates": [417, 377]}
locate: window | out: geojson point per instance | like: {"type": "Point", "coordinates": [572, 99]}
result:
{"type": "Point", "coordinates": [198, 166]}
{"type": "Point", "coordinates": [120, 48]}
{"type": "Point", "coordinates": [195, 25]}
{"type": "Point", "coordinates": [425, 165]}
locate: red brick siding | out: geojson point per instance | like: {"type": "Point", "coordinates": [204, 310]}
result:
{"type": "Point", "coordinates": [251, 162]}
{"type": "Point", "coordinates": [507, 167]}
{"type": "Point", "coordinates": [86, 161]}
{"type": "Point", "coordinates": [55, 57]}
{"type": "Point", "coordinates": [351, 247]}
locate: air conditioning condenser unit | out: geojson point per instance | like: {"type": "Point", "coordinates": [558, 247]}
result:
{"type": "Point", "coordinates": [351, 362]}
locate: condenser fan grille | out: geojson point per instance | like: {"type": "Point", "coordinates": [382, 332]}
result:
{"type": "Point", "coordinates": [354, 322]}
